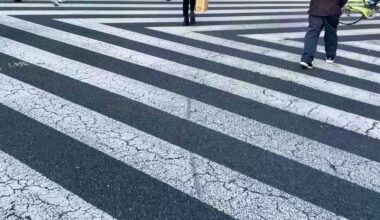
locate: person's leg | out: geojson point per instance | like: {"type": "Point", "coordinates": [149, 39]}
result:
{"type": "Point", "coordinates": [192, 5]}
{"type": "Point", "coordinates": [331, 36]}
{"type": "Point", "coordinates": [311, 38]}
{"type": "Point", "coordinates": [192, 9]}
{"type": "Point", "coordinates": [185, 8]}
{"type": "Point", "coordinates": [373, 3]}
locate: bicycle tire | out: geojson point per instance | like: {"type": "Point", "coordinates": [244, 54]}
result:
{"type": "Point", "coordinates": [346, 19]}
{"type": "Point", "coordinates": [351, 22]}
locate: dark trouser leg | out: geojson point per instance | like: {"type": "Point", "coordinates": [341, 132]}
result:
{"type": "Point", "coordinates": [192, 5]}
{"type": "Point", "coordinates": [331, 37]}
{"type": "Point", "coordinates": [192, 14]}
{"type": "Point", "coordinates": [311, 38]}
{"type": "Point", "coordinates": [185, 8]}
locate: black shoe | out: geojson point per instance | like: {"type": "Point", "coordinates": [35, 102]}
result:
{"type": "Point", "coordinates": [186, 21]}
{"type": "Point", "coordinates": [306, 65]}
{"type": "Point", "coordinates": [372, 4]}
{"type": "Point", "coordinates": [192, 17]}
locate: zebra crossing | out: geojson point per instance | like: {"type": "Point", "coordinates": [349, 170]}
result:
{"type": "Point", "coordinates": [112, 110]}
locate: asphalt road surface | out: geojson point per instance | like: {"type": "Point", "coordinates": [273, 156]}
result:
{"type": "Point", "coordinates": [113, 110]}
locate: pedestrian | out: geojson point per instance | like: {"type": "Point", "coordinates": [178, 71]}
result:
{"type": "Point", "coordinates": [322, 14]}
{"type": "Point", "coordinates": [55, 2]}
{"type": "Point", "coordinates": [373, 3]}
{"type": "Point", "coordinates": [188, 20]}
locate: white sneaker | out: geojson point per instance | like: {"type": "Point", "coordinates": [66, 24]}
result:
{"type": "Point", "coordinates": [330, 59]}
{"type": "Point", "coordinates": [306, 65]}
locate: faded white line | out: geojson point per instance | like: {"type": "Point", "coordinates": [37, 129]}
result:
{"type": "Point", "coordinates": [226, 27]}
{"type": "Point", "coordinates": [356, 169]}
{"type": "Point", "coordinates": [373, 45]}
{"type": "Point", "coordinates": [179, 1]}
{"type": "Point", "coordinates": [204, 19]}
{"type": "Point", "coordinates": [27, 194]}
{"type": "Point", "coordinates": [138, 12]}
{"type": "Point", "coordinates": [286, 40]}
{"type": "Point", "coordinates": [67, 4]}
{"type": "Point", "coordinates": [218, 186]}
{"type": "Point", "coordinates": [346, 120]}
{"type": "Point", "coordinates": [228, 60]}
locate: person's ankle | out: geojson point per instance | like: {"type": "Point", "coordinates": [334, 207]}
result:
{"type": "Point", "coordinates": [186, 21]}
{"type": "Point", "coordinates": [192, 18]}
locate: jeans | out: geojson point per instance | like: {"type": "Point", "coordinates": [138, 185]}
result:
{"type": "Point", "coordinates": [186, 7]}
{"type": "Point", "coordinates": [316, 24]}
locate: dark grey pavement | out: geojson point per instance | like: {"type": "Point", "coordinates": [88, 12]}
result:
{"type": "Point", "coordinates": [113, 110]}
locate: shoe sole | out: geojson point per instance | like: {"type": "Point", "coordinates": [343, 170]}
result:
{"type": "Point", "coordinates": [305, 65]}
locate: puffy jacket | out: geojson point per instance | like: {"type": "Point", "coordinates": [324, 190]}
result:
{"type": "Point", "coordinates": [326, 7]}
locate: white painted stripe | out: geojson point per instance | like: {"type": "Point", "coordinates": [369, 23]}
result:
{"type": "Point", "coordinates": [153, 5]}
{"type": "Point", "coordinates": [349, 121]}
{"type": "Point", "coordinates": [27, 194]}
{"type": "Point", "coordinates": [286, 39]}
{"type": "Point", "coordinates": [365, 44]}
{"type": "Point", "coordinates": [275, 25]}
{"type": "Point", "coordinates": [229, 1]}
{"type": "Point", "coordinates": [223, 27]}
{"type": "Point", "coordinates": [350, 32]}
{"type": "Point", "coordinates": [201, 19]}
{"type": "Point", "coordinates": [160, 1]}
{"type": "Point", "coordinates": [310, 81]}
{"type": "Point", "coordinates": [138, 12]}
{"type": "Point", "coordinates": [275, 38]}
{"type": "Point", "coordinates": [210, 182]}
{"type": "Point", "coordinates": [306, 80]}
{"type": "Point", "coordinates": [338, 68]}
{"type": "Point", "coordinates": [358, 170]}
{"type": "Point", "coordinates": [225, 59]}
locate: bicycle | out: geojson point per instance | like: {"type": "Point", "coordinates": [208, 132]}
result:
{"type": "Point", "coordinates": [356, 10]}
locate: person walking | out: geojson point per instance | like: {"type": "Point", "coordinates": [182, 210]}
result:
{"type": "Point", "coordinates": [322, 14]}
{"type": "Point", "coordinates": [373, 3]}
{"type": "Point", "coordinates": [185, 7]}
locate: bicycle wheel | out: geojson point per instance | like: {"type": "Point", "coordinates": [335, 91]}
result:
{"type": "Point", "coordinates": [350, 14]}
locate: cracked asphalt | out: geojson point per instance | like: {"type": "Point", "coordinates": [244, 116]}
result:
{"type": "Point", "coordinates": [113, 110]}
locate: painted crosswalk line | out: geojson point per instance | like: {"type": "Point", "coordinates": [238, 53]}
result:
{"type": "Point", "coordinates": [212, 121]}
{"type": "Point", "coordinates": [295, 105]}
{"type": "Point", "coordinates": [285, 39]}
{"type": "Point", "coordinates": [362, 171]}
{"type": "Point", "coordinates": [27, 194]}
{"type": "Point", "coordinates": [367, 75]}
{"type": "Point", "coordinates": [369, 45]}
{"type": "Point", "coordinates": [168, 163]}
